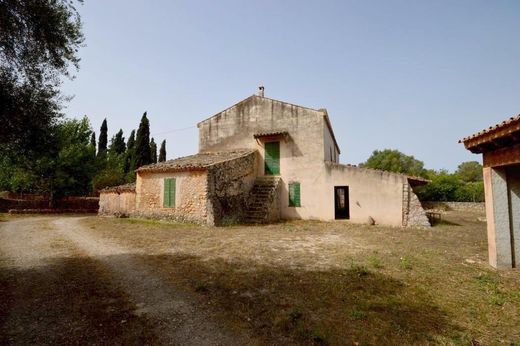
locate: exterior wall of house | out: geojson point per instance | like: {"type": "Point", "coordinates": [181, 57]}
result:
{"type": "Point", "coordinates": [330, 151]}
{"type": "Point", "coordinates": [116, 204]}
{"type": "Point", "coordinates": [190, 196]}
{"type": "Point", "coordinates": [372, 193]}
{"type": "Point", "coordinates": [229, 184]}
{"type": "Point", "coordinates": [235, 127]}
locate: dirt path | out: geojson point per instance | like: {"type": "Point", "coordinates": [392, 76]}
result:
{"type": "Point", "coordinates": [174, 314]}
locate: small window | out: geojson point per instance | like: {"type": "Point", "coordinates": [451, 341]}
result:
{"type": "Point", "coordinates": [294, 195]}
{"type": "Point", "coordinates": [169, 193]}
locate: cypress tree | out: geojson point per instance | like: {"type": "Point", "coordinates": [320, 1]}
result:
{"type": "Point", "coordinates": [130, 153]}
{"type": "Point", "coordinates": [162, 152]}
{"type": "Point", "coordinates": [142, 143]}
{"type": "Point", "coordinates": [93, 140]}
{"type": "Point", "coordinates": [103, 138]}
{"type": "Point", "coordinates": [117, 144]}
{"type": "Point", "coordinates": [153, 151]}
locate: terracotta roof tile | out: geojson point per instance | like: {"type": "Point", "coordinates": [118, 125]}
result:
{"type": "Point", "coordinates": [492, 128]}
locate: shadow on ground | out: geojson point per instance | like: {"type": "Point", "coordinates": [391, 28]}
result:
{"type": "Point", "coordinates": [67, 301]}
{"type": "Point", "coordinates": [74, 301]}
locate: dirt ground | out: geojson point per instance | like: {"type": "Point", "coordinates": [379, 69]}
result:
{"type": "Point", "coordinates": [72, 280]}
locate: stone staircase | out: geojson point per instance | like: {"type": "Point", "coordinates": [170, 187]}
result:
{"type": "Point", "coordinates": [263, 205]}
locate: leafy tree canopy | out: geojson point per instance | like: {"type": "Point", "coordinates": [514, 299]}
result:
{"type": "Point", "coordinates": [470, 171]}
{"type": "Point", "coordinates": [395, 161]}
{"type": "Point", "coordinates": [39, 41]}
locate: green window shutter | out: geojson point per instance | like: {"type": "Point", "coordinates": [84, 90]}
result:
{"type": "Point", "coordinates": [169, 193]}
{"type": "Point", "coordinates": [172, 192]}
{"type": "Point", "coordinates": [272, 158]}
{"type": "Point", "coordinates": [294, 195]}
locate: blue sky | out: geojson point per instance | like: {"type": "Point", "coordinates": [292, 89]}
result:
{"type": "Point", "coordinates": [409, 75]}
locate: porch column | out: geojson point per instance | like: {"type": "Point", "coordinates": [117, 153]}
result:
{"type": "Point", "coordinates": [498, 217]}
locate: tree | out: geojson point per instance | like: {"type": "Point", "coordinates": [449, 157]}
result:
{"type": "Point", "coordinates": [470, 171]}
{"type": "Point", "coordinates": [93, 140]}
{"type": "Point", "coordinates": [103, 138]}
{"type": "Point", "coordinates": [75, 163]}
{"type": "Point", "coordinates": [142, 143]}
{"type": "Point", "coordinates": [117, 143]}
{"type": "Point", "coordinates": [162, 152]}
{"type": "Point", "coordinates": [395, 161]}
{"type": "Point", "coordinates": [39, 42]}
{"type": "Point", "coordinates": [153, 151]}
{"type": "Point", "coordinates": [130, 153]}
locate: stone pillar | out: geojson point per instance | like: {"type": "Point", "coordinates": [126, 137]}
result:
{"type": "Point", "coordinates": [513, 186]}
{"type": "Point", "coordinates": [498, 218]}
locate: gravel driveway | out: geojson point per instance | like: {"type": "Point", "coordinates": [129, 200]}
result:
{"type": "Point", "coordinates": [33, 251]}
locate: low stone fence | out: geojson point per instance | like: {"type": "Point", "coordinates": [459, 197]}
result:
{"type": "Point", "coordinates": [86, 204]}
{"type": "Point", "coordinates": [458, 206]}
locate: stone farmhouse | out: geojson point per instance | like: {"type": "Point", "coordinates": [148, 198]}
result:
{"type": "Point", "coordinates": [262, 160]}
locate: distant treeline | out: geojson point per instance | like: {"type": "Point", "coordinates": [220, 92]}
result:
{"type": "Point", "coordinates": [463, 185]}
{"type": "Point", "coordinates": [75, 163]}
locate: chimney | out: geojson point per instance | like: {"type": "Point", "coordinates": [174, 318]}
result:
{"type": "Point", "coordinates": [260, 91]}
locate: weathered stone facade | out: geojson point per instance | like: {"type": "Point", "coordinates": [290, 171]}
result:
{"type": "Point", "coordinates": [229, 184]}
{"type": "Point", "coordinates": [190, 199]}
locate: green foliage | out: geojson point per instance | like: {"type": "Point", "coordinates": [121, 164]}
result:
{"type": "Point", "coordinates": [142, 143]}
{"type": "Point", "coordinates": [449, 187]}
{"type": "Point", "coordinates": [108, 177]}
{"type": "Point", "coordinates": [470, 171]}
{"type": "Point", "coordinates": [93, 140]}
{"type": "Point", "coordinates": [129, 166]}
{"type": "Point", "coordinates": [395, 161]}
{"type": "Point", "coordinates": [153, 151]}
{"type": "Point", "coordinates": [162, 152]}
{"type": "Point", "coordinates": [39, 41]}
{"type": "Point", "coordinates": [75, 163]}
{"type": "Point", "coordinates": [117, 143]}
{"type": "Point", "coordinates": [103, 138]}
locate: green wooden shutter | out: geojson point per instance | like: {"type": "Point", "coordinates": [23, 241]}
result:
{"type": "Point", "coordinates": [294, 195]}
{"type": "Point", "coordinates": [272, 158]}
{"type": "Point", "coordinates": [169, 193]}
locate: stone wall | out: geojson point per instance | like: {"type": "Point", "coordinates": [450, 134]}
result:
{"type": "Point", "coordinates": [116, 204]}
{"type": "Point", "coordinates": [190, 196]}
{"type": "Point", "coordinates": [459, 206]}
{"type": "Point", "coordinates": [229, 184]}
{"type": "Point", "coordinates": [416, 216]}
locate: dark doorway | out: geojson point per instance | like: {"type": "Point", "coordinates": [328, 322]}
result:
{"type": "Point", "coordinates": [341, 204]}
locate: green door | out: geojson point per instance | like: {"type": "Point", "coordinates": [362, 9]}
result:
{"type": "Point", "coordinates": [272, 158]}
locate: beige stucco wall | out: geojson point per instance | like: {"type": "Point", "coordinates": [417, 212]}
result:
{"type": "Point", "coordinates": [113, 203]}
{"type": "Point", "coordinates": [371, 193]}
{"type": "Point", "coordinates": [330, 151]}
{"type": "Point", "coordinates": [234, 128]}
{"type": "Point", "coordinates": [190, 197]}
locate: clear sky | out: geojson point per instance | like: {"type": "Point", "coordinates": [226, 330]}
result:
{"type": "Point", "coordinates": [410, 75]}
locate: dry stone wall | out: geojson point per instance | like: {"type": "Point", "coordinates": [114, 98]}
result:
{"type": "Point", "coordinates": [229, 184]}
{"type": "Point", "coordinates": [416, 214]}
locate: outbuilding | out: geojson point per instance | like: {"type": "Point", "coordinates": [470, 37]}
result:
{"type": "Point", "coordinates": [500, 146]}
